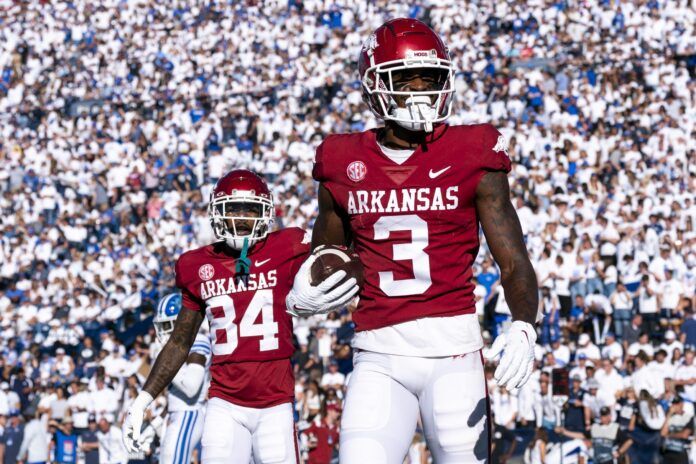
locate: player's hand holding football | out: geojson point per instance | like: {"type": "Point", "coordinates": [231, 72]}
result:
{"type": "Point", "coordinates": [306, 299]}
{"type": "Point", "coordinates": [517, 360]}
{"type": "Point", "coordinates": [133, 422]}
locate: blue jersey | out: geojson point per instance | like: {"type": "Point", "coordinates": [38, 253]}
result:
{"type": "Point", "coordinates": [66, 448]}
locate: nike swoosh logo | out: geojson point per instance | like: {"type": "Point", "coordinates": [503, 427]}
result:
{"type": "Point", "coordinates": [261, 263]}
{"type": "Point", "coordinates": [434, 174]}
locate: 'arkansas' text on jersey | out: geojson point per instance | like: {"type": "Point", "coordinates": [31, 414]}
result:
{"type": "Point", "coordinates": [402, 200]}
{"type": "Point", "coordinates": [245, 283]}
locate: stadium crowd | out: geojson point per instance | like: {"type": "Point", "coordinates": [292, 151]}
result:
{"type": "Point", "coordinates": [118, 116]}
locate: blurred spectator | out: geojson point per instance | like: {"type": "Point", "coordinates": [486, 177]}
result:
{"type": "Point", "coordinates": [574, 408]}
{"type": "Point", "coordinates": [551, 309]}
{"type": "Point", "coordinates": [89, 441]}
{"type": "Point", "coordinates": [36, 439]}
{"type": "Point", "coordinates": [609, 442]}
{"type": "Point", "coordinates": [685, 376]}
{"type": "Point", "coordinates": [646, 378]}
{"type": "Point", "coordinates": [504, 443]}
{"type": "Point", "coordinates": [65, 441]}
{"type": "Point", "coordinates": [79, 403]}
{"type": "Point", "coordinates": [622, 304]}
{"type": "Point", "coordinates": [547, 410]}
{"type": "Point", "coordinates": [612, 350]}
{"type": "Point", "coordinates": [111, 449]}
{"type": "Point", "coordinates": [646, 429]}
{"type": "Point", "coordinates": [611, 383]}
{"type": "Point", "coordinates": [632, 332]}
{"type": "Point", "coordinates": [647, 295]}
{"type": "Point", "coordinates": [105, 400]}
{"type": "Point", "coordinates": [322, 436]}
{"type": "Point", "coordinates": [11, 439]}
{"type": "Point", "coordinates": [333, 378]}
{"type": "Point", "coordinates": [671, 344]}
{"type": "Point", "coordinates": [626, 409]}
{"type": "Point", "coordinates": [505, 406]}
{"type": "Point", "coordinates": [676, 432]}
{"type": "Point", "coordinates": [593, 403]}
{"type": "Point", "coordinates": [688, 328]}
{"type": "Point", "coordinates": [587, 348]}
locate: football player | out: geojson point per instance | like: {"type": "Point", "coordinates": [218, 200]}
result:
{"type": "Point", "coordinates": [240, 284]}
{"type": "Point", "coordinates": [187, 393]}
{"type": "Point", "coordinates": [409, 197]}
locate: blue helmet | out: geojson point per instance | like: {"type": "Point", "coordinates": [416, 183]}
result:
{"type": "Point", "coordinates": [167, 310]}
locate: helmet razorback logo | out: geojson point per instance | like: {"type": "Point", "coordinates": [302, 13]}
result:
{"type": "Point", "coordinates": [371, 43]}
{"type": "Point", "coordinates": [501, 145]}
{"type": "Point", "coordinates": [206, 272]}
{"type": "Point", "coordinates": [356, 171]}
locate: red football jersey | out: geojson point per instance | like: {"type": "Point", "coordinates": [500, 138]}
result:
{"type": "Point", "coordinates": [414, 225]}
{"type": "Point", "coordinates": [250, 332]}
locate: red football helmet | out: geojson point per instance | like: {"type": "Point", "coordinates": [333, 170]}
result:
{"type": "Point", "coordinates": [398, 45]}
{"type": "Point", "coordinates": [241, 207]}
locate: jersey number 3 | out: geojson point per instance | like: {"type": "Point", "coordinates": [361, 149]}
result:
{"type": "Point", "coordinates": [413, 251]}
{"type": "Point", "coordinates": [224, 329]}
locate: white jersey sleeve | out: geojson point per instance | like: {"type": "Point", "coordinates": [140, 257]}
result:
{"type": "Point", "coordinates": [176, 400]}
{"type": "Point", "coordinates": [202, 346]}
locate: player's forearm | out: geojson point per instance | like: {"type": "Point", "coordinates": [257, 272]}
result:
{"type": "Point", "coordinates": [325, 232]}
{"type": "Point", "coordinates": [520, 285]}
{"type": "Point", "coordinates": [168, 363]}
{"type": "Point", "coordinates": [329, 227]}
{"type": "Point", "coordinates": [503, 232]}
{"type": "Point", "coordinates": [175, 352]}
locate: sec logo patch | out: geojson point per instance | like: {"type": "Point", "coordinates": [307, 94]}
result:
{"type": "Point", "coordinates": [356, 171]}
{"type": "Point", "coordinates": [206, 272]}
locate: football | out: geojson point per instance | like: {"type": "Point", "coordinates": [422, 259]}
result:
{"type": "Point", "coordinates": [332, 258]}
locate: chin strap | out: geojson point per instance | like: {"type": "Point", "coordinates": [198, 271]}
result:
{"type": "Point", "coordinates": [243, 262]}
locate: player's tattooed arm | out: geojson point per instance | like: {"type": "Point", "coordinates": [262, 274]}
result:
{"type": "Point", "coordinates": [175, 352]}
{"type": "Point", "coordinates": [330, 227]}
{"type": "Point", "coordinates": [501, 227]}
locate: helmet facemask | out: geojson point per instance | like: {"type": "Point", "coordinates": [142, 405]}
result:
{"type": "Point", "coordinates": [163, 330]}
{"type": "Point", "coordinates": [240, 216]}
{"type": "Point", "coordinates": [412, 110]}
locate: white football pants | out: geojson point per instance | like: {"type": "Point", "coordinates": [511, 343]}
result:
{"type": "Point", "coordinates": [233, 434]}
{"type": "Point", "coordinates": [182, 435]}
{"type": "Point", "coordinates": [387, 392]}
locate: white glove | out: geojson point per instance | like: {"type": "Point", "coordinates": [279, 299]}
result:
{"type": "Point", "coordinates": [517, 362]}
{"type": "Point", "coordinates": [306, 299]}
{"type": "Point", "coordinates": [133, 423]}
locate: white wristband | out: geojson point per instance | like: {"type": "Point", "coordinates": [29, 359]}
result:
{"type": "Point", "coordinates": [142, 401]}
